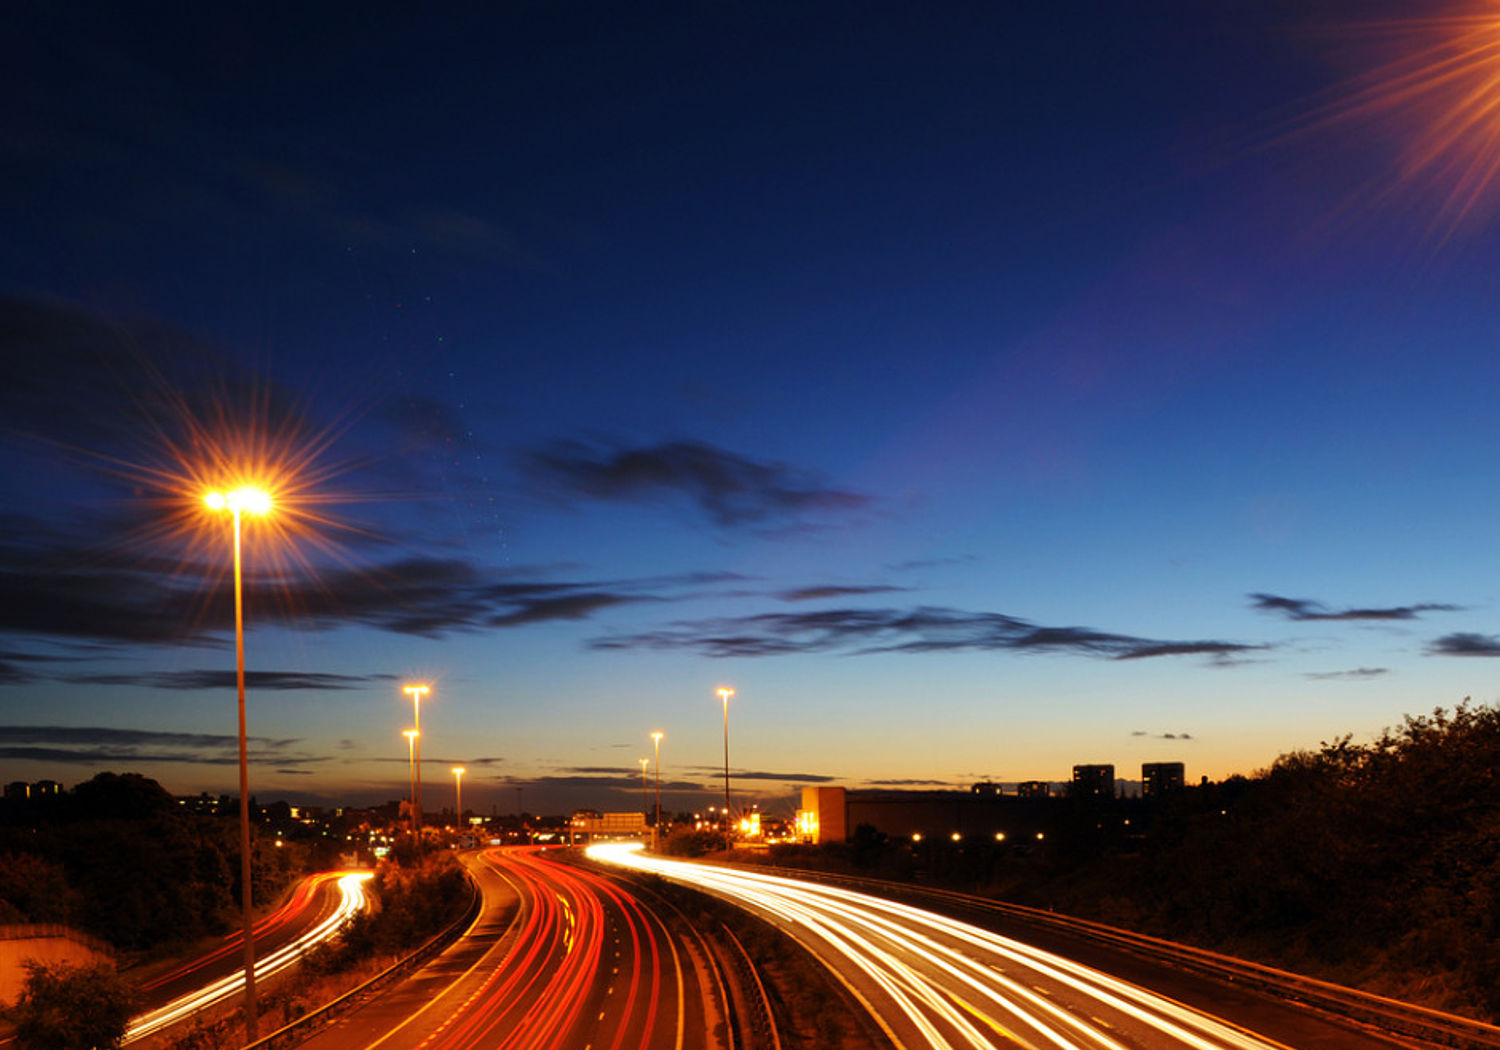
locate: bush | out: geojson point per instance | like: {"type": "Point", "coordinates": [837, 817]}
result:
{"type": "Point", "coordinates": [67, 1007]}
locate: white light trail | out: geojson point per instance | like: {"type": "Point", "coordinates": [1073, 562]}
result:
{"type": "Point", "coordinates": [352, 899]}
{"type": "Point", "coordinates": [936, 970]}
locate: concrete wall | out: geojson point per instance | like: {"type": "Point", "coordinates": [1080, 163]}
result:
{"type": "Point", "coordinates": [45, 944]}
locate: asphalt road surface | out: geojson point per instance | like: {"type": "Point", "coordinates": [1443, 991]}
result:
{"type": "Point", "coordinates": [559, 958]}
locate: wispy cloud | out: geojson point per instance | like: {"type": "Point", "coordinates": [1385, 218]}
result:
{"type": "Point", "coordinates": [1464, 644]}
{"type": "Point", "coordinates": [924, 629]}
{"type": "Point", "coordinates": [1303, 609]}
{"type": "Point", "coordinates": [1354, 673]}
{"type": "Point", "coordinates": [1162, 736]}
{"type": "Point", "coordinates": [920, 564]}
{"type": "Point", "coordinates": [826, 591]}
{"type": "Point", "coordinates": [731, 490]}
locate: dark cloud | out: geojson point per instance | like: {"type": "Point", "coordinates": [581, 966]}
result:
{"type": "Point", "coordinates": [66, 586]}
{"type": "Point", "coordinates": [565, 607]}
{"type": "Point", "coordinates": [1162, 736]}
{"type": "Point", "coordinates": [761, 774]}
{"type": "Point", "coordinates": [95, 745]}
{"type": "Point", "coordinates": [216, 679]}
{"type": "Point", "coordinates": [731, 490]}
{"type": "Point", "coordinates": [1303, 609]}
{"type": "Point", "coordinates": [808, 594]}
{"type": "Point", "coordinates": [1464, 644]}
{"type": "Point", "coordinates": [925, 629]}
{"type": "Point", "coordinates": [1357, 672]}
{"type": "Point", "coordinates": [911, 783]}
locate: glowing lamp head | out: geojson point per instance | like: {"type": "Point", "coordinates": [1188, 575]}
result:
{"type": "Point", "coordinates": [247, 498]}
{"type": "Point", "coordinates": [459, 771]}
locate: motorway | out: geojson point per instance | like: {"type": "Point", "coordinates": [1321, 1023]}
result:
{"type": "Point", "coordinates": [315, 911]}
{"type": "Point", "coordinates": [934, 982]}
{"type": "Point", "coordinates": [559, 958]}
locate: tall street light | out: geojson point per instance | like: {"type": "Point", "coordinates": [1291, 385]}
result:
{"type": "Point", "coordinates": [416, 692]}
{"type": "Point", "coordinates": [724, 695]}
{"type": "Point", "coordinates": [411, 778]}
{"type": "Point", "coordinates": [656, 738]}
{"type": "Point", "coordinates": [241, 501]}
{"type": "Point", "coordinates": [458, 796]}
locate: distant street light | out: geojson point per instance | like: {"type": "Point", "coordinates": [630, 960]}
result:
{"type": "Point", "coordinates": [411, 778]}
{"type": "Point", "coordinates": [417, 692]}
{"type": "Point", "coordinates": [240, 501]}
{"type": "Point", "coordinates": [656, 737]}
{"type": "Point", "coordinates": [724, 694]}
{"type": "Point", "coordinates": [458, 795]}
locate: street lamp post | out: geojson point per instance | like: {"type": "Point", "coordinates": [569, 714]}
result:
{"type": "Point", "coordinates": [411, 778]}
{"type": "Point", "coordinates": [656, 738]}
{"type": "Point", "coordinates": [416, 692]}
{"type": "Point", "coordinates": [724, 695]}
{"type": "Point", "coordinates": [458, 797]}
{"type": "Point", "coordinates": [237, 503]}
{"type": "Point", "coordinates": [644, 807]}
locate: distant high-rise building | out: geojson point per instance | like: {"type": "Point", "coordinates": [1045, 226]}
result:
{"type": "Point", "coordinates": [986, 787]}
{"type": "Point", "coordinates": [18, 791]}
{"type": "Point", "coordinates": [43, 788]}
{"type": "Point", "coordinates": [1158, 778]}
{"type": "Point", "coordinates": [1094, 781]}
{"type": "Point", "coordinates": [1033, 789]}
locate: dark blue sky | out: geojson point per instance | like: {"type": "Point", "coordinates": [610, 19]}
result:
{"type": "Point", "coordinates": [978, 388]}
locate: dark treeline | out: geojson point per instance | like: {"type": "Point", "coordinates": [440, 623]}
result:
{"type": "Point", "coordinates": [1375, 865]}
{"type": "Point", "coordinates": [119, 858]}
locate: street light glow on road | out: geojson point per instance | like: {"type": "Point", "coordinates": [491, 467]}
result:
{"type": "Point", "coordinates": [936, 982]}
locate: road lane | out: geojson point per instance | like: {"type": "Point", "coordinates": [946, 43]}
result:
{"type": "Point", "coordinates": [581, 963]}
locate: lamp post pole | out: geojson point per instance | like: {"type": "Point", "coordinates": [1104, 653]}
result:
{"type": "Point", "coordinates": [411, 779]}
{"type": "Point", "coordinates": [724, 695]}
{"type": "Point", "coordinates": [656, 738]}
{"type": "Point", "coordinates": [417, 692]}
{"type": "Point", "coordinates": [644, 807]}
{"type": "Point", "coordinates": [458, 798]}
{"type": "Point", "coordinates": [237, 503]}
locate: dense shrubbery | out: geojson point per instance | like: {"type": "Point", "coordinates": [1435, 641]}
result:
{"type": "Point", "coordinates": [67, 1007]}
{"type": "Point", "coordinates": [1377, 862]}
{"type": "Point", "coordinates": [691, 842]}
{"type": "Point", "coordinates": [412, 902]}
{"type": "Point", "coordinates": [118, 857]}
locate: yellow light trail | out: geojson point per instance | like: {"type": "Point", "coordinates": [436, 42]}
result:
{"type": "Point", "coordinates": [938, 973]}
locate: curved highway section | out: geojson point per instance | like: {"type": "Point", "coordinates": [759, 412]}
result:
{"type": "Point", "coordinates": [932, 981]}
{"type": "Point", "coordinates": [560, 957]}
{"type": "Point", "coordinates": [316, 910]}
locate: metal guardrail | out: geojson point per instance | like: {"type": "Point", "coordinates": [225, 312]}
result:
{"type": "Point", "coordinates": [1390, 1015]}
{"type": "Point", "coordinates": [300, 1029]}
